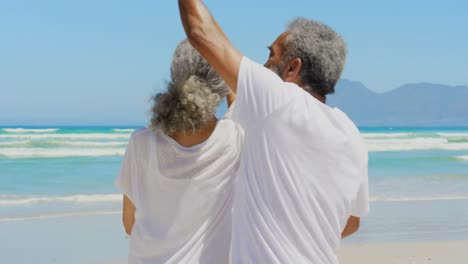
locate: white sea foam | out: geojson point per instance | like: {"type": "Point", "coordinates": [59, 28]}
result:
{"type": "Point", "coordinates": [75, 199]}
{"type": "Point", "coordinates": [56, 143]}
{"type": "Point", "coordinates": [48, 216]}
{"type": "Point", "coordinates": [462, 135]}
{"type": "Point", "coordinates": [413, 134]}
{"type": "Point", "coordinates": [88, 143]}
{"type": "Point", "coordinates": [31, 130]}
{"type": "Point", "coordinates": [8, 196]}
{"type": "Point", "coordinates": [404, 199]}
{"type": "Point", "coordinates": [462, 157]}
{"type": "Point", "coordinates": [104, 136]}
{"type": "Point", "coordinates": [60, 152]}
{"type": "Point", "coordinates": [386, 135]}
{"type": "Point", "coordinates": [123, 130]}
{"type": "Point", "coordinates": [14, 143]}
{"type": "Point", "coordinates": [406, 144]}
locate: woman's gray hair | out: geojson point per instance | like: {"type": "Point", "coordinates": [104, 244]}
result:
{"type": "Point", "coordinates": [322, 52]}
{"type": "Point", "coordinates": [192, 95]}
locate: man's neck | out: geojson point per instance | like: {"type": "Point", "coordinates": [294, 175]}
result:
{"type": "Point", "coordinates": [319, 97]}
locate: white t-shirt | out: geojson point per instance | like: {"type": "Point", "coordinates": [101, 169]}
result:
{"type": "Point", "coordinates": [183, 196]}
{"type": "Point", "coordinates": [303, 173]}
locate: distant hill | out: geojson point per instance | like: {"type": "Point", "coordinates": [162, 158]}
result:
{"type": "Point", "coordinates": [420, 104]}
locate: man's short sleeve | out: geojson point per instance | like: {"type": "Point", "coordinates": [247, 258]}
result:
{"type": "Point", "coordinates": [259, 93]}
{"type": "Point", "coordinates": [126, 181]}
{"type": "Point", "coordinates": [360, 205]}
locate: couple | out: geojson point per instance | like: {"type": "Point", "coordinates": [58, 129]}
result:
{"type": "Point", "coordinates": [282, 180]}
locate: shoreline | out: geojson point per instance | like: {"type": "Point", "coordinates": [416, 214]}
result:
{"type": "Point", "coordinates": [375, 203]}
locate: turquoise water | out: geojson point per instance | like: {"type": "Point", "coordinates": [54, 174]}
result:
{"type": "Point", "coordinates": [58, 171]}
{"type": "Point", "coordinates": [53, 171]}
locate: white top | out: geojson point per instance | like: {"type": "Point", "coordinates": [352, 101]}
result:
{"type": "Point", "coordinates": [303, 173]}
{"type": "Point", "coordinates": [183, 196]}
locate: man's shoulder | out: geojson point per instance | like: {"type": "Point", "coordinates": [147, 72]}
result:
{"type": "Point", "coordinates": [346, 119]}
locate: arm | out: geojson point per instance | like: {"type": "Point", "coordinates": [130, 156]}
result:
{"type": "Point", "coordinates": [359, 205]}
{"type": "Point", "coordinates": [351, 226]}
{"type": "Point", "coordinates": [261, 91]}
{"type": "Point", "coordinates": [128, 215]}
{"type": "Point", "coordinates": [230, 98]}
{"type": "Point", "coordinates": [207, 37]}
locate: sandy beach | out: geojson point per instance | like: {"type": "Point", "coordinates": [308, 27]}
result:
{"type": "Point", "coordinates": [442, 252]}
{"type": "Point", "coordinates": [430, 232]}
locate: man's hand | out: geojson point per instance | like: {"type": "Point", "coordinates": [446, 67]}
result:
{"type": "Point", "coordinates": [351, 226]}
{"type": "Point", "coordinates": [207, 37]}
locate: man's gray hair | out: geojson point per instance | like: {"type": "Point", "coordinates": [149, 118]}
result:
{"type": "Point", "coordinates": [192, 96]}
{"type": "Point", "coordinates": [322, 52]}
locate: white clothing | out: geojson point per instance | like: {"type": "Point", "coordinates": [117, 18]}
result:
{"type": "Point", "coordinates": [183, 196]}
{"type": "Point", "coordinates": [303, 173]}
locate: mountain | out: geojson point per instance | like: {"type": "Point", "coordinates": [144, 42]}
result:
{"type": "Point", "coordinates": [419, 104]}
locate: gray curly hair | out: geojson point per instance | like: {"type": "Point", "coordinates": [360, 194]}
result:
{"type": "Point", "coordinates": [321, 50]}
{"type": "Point", "coordinates": [192, 95]}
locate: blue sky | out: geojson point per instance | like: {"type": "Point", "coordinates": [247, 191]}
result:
{"type": "Point", "coordinates": [98, 62]}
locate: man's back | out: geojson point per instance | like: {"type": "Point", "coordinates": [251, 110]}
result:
{"type": "Point", "coordinates": [303, 173]}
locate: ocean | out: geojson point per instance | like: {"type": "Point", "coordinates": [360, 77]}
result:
{"type": "Point", "coordinates": [50, 172]}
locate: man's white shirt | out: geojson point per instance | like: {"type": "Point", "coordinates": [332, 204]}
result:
{"type": "Point", "coordinates": [303, 173]}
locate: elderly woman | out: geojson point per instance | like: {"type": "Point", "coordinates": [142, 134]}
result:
{"type": "Point", "coordinates": [177, 176]}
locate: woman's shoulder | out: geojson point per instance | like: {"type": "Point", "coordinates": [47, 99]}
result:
{"type": "Point", "coordinates": [142, 136]}
{"type": "Point", "coordinates": [230, 127]}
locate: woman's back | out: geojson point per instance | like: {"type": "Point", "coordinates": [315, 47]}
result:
{"type": "Point", "coordinates": [182, 195]}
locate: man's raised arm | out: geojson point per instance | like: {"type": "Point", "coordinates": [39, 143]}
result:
{"type": "Point", "coordinates": [208, 38]}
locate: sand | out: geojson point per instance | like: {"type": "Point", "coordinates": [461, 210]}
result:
{"type": "Point", "coordinates": [445, 252]}
{"type": "Point", "coordinates": [100, 239]}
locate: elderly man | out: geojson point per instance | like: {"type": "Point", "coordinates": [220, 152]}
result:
{"type": "Point", "coordinates": [303, 178]}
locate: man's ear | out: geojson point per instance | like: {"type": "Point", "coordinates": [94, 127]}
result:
{"type": "Point", "coordinates": [292, 70]}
